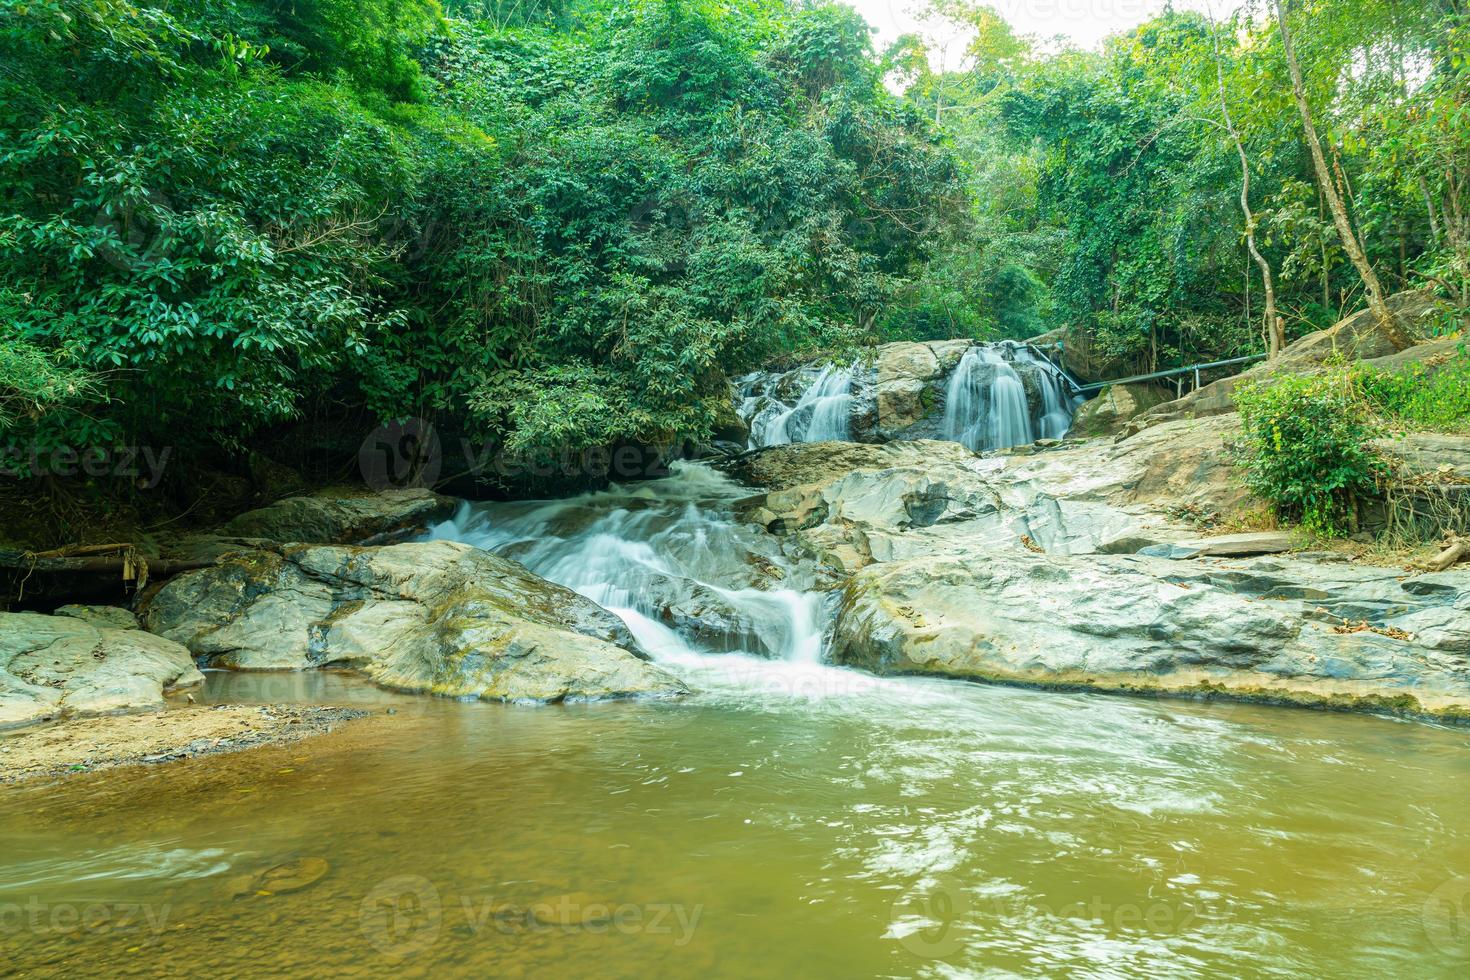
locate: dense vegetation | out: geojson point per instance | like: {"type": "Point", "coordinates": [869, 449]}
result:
{"type": "Point", "coordinates": [559, 231]}
{"type": "Point", "coordinates": [566, 223]}
{"type": "Point", "coordinates": [1107, 186]}
{"type": "Point", "coordinates": [1306, 437]}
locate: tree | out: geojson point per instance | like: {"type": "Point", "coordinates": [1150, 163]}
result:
{"type": "Point", "coordinates": [1275, 329]}
{"type": "Point", "coordinates": [1350, 242]}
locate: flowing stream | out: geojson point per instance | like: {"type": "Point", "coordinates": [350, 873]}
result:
{"type": "Point", "coordinates": [987, 406]}
{"type": "Point", "coordinates": [789, 819]}
{"type": "Point", "coordinates": [999, 395]}
{"type": "Point", "coordinates": [821, 414]}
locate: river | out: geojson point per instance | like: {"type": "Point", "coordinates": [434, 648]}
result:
{"type": "Point", "coordinates": [789, 819]}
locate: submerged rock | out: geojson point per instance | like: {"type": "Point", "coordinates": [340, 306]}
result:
{"type": "Point", "coordinates": [62, 666]}
{"type": "Point", "coordinates": [436, 617]}
{"type": "Point", "coordinates": [280, 879]}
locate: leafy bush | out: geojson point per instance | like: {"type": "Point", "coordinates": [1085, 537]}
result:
{"type": "Point", "coordinates": [557, 233]}
{"type": "Point", "coordinates": [1420, 398]}
{"type": "Point", "coordinates": [35, 383]}
{"type": "Point", "coordinates": [1305, 449]}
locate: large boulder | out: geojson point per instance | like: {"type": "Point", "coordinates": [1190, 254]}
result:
{"type": "Point", "coordinates": [63, 666]}
{"type": "Point", "coordinates": [1269, 629]}
{"type": "Point", "coordinates": [851, 505]}
{"type": "Point", "coordinates": [1110, 411]}
{"type": "Point", "coordinates": [439, 616]}
{"type": "Point", "coordinates": [337, 519]}
{"type": "Point", "coordinates": [113, 616]}
{"type": "Point", "coordinates": [908, 389]}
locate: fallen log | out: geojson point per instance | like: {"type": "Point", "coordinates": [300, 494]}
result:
{"type": "Point", "coordinates": [1456, 550]}
{"type": "Point", "coordinates": [157, 567]}
{"type": "Point", "coordinates": [129, 568]}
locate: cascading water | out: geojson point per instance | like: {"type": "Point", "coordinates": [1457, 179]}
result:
{"type": "Point", "coordinates": [998, 395]}
{"type": "Point", "coordinates": [1057, 406]}
{"type": "Point", "coordinates": [986, 406]}
{"type": "Point", "coordinates": [672, 561]}
{"type": "Point", "coordinates": [821, 414]}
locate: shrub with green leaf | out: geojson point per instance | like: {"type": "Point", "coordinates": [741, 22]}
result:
{"type": "Point", "coordinates": [1305, 450]}
{"type": "Point", "coordinates": [1421, 397]}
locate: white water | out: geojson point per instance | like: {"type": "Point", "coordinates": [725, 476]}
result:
{"type": "Point", "coordinates": [1057, 406]}
{"type": "Point", "coordinates": [821, 414]}
{"type": "Point", "coordinates": [986, 407]}
{"type": "Point", "coordinates": [701, 591]}
{"type": "Point", "coordinates": [999, 395]}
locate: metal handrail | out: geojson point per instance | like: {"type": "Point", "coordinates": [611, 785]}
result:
{"type": "Point", "coordinates": [1173, 372]}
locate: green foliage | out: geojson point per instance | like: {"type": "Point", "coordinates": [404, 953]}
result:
{"type": "Point", "coordinates": [36, 385]}
{"type": "Point", "coordinates": [560, 225]}
{"type": "Point", "coordinates": [1112, 180]}
{"type": "Point", "coordinates": [1305, 450]}
{"type": "Point", "coordinates": [1435, 398]}
{"type": "Point", "coordinates": [565, 223]}
{"type": "Point", "coordinates": [1306, 437]}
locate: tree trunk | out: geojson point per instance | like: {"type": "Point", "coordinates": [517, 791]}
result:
{"type": "Point", "coordinates": [1429, 206]}
{"type": "Point", "coordinates": [1273, 322]}
{"type": "Point", "coordinates": [1350, 243]}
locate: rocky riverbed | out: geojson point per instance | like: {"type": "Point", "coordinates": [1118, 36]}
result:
{"type": "Point", "coordinates": [181, 732]}
{"type": "Point", "coordinates": [1078, 564]}
{"type": "Point", "coordinates": [1068, 562]}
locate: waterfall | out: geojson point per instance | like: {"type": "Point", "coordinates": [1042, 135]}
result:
{"type": "Point", "coordinates": [821, 414]}
{"type": "Point", "coordinates": [670, 558]}
{"type": "Point", "coordinates": [999, 395]}
{"type": "Point", "coordinates": [1058, 406]}
{"type": "Point", "coordinates": [986, 405]}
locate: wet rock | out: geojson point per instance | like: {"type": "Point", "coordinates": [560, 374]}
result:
{"type": "Point", "coordinates": [1274, 630]}
{"type": "Point", "coordinates": [472, 646]}
{"type": "Point", "coordinates": [61, 666]}
{"type": "Point", "coordinates": [784, 467]}
{"type": "Point", "coordinates": [436, 617]}
{"type": "Point", "coordinates": [855, 504]}
{"type": "Point", "coordinates": [329, 519]}
{"type": "Point", "coordinates": [1023, 569]}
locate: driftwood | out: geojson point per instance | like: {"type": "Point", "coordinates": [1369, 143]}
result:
{"type": "Point", "coordinates": [113, 562]}
{"type": "Point", "coordinates": [157, 567]}
{"type": "Point", "coordinates": [1456, 550]}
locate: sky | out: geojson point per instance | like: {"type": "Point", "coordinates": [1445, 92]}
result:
{"type": "Point", "coordinates": [1083, 22]}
